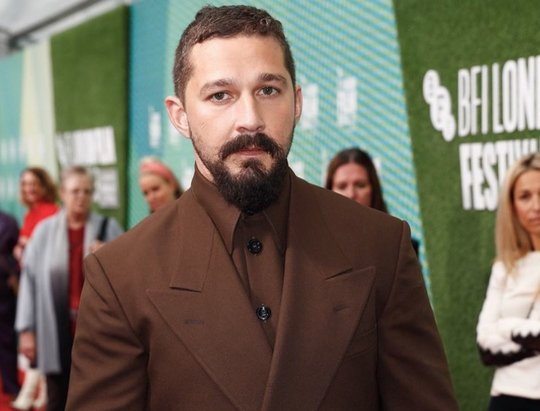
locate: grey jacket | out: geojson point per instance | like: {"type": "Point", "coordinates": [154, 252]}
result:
{"type": "Point", "coordinates": [44, 280]}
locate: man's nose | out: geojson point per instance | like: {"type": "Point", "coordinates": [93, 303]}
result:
{"type": "Point", "coordinates": [249, 118]}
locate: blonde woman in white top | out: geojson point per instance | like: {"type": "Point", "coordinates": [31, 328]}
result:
{"type": "Point", "coordinates": [508, 331]}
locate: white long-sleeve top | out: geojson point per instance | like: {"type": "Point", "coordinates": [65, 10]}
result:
{"type": "Point", "coordinates": [512, 306]}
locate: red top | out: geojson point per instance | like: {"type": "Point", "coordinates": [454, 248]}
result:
{"type": "Point", "coordinates": [76, 276]}
{"type": "Point", "coordinates": [37, 213]}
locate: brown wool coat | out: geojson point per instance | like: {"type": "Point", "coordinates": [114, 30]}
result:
{"type": "Point", "coordinates": [165, 323]}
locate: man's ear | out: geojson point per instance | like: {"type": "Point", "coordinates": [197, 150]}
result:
{"type": "Point", "coordinates": [177, 115]}
{"type": "Point", "coordinates": [298, 102]}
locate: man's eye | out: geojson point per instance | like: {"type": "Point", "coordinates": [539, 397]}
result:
{"type": "Point", "coordinates": [218, 96]}
{"type": "Point", "coordinates": [268, 91]}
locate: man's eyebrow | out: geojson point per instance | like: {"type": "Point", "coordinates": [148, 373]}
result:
{"type": "Point", "coordinates": [224, 82]}
{"type": "Point", "coordinates": [272, 77]}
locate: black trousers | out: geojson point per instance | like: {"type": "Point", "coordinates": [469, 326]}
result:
{"type": "Point", "coordinates": [8, 340]}
{"type": "Point", "coordinates": [510, 403]}
{"type": "Point", "coordinates": [57, 390]}
{"type": "Point", "coordinates": [58, 384]}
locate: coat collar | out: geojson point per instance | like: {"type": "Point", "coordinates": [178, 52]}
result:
{"type": "Point", "coordinates": [225, 216]}
{"type": "Point", "coordinates": [208, 309]}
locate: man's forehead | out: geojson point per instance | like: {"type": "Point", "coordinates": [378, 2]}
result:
{"type": "Point", "coordinates": [239, 56]}
{"type": "Point", "coordinates": [243, 40]}
{"type": "Point", "coordinates": [224, 49]}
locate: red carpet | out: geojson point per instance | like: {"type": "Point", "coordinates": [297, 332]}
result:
{"type": "Point", "coordinates": [4, 402]}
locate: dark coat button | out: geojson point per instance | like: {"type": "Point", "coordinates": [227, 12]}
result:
{"type": "Point", "coordinates": [263, 312]}
{"type": "Point", "coordinates": [254, 246]}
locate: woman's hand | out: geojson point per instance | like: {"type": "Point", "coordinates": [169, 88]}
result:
{"type": "Point", "coordinates": [27, 345]}
{"type": "Point", "coordinates": [19, 249]}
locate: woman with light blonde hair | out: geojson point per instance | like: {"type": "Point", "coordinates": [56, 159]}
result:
{"type": "Point", "coordinates": [513, 241]}
{"type": "Point", "coordinates": [508, 331]}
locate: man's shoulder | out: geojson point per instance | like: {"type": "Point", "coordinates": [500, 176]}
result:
{"type": "Point", "coordinates": [159, 228]}
{"type": "Point", "coordinates": [148, 253]}
{"type": "Point", "coordinates": [367, 237]}
{"type": "Point", "coordinates": [335, 207]}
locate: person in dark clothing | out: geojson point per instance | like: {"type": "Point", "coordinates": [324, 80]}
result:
{"type": "Point", "coordinates": [9, 273]}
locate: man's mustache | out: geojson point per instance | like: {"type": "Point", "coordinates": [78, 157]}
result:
{"type": "Point", "coordinates": [259, 141]}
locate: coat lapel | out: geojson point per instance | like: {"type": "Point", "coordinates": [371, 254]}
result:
{"type": "Point", "coordinates": [322, 301]}
{"type": "Point", "coordinates": [208, 309]}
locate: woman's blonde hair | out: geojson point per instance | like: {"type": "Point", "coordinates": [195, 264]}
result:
{"type": "Point", "coordinates": [511, 239]}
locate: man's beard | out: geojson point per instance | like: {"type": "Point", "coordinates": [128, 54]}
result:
{"type": "Point", "coordinates": [253, 188]}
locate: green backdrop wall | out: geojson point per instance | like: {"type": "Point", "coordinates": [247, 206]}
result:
{"type": "Point", "coordinates": [71, 89]}
{"type": "Point", "coordinates": [90, 75]}
{"type": "Point", "coordinates": [472, 81]}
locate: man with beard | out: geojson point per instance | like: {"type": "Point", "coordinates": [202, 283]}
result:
{"type": "Point", "coordinates": [255, 290]}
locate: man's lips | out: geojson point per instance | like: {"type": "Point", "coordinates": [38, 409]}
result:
{"type": "Point", "coordinates": [246, 145]}
{"type": "Point", "coordinates": [251, 151]}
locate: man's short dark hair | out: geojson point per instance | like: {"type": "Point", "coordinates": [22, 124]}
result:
{"type": "Point", "coordinates": [223, 22]}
